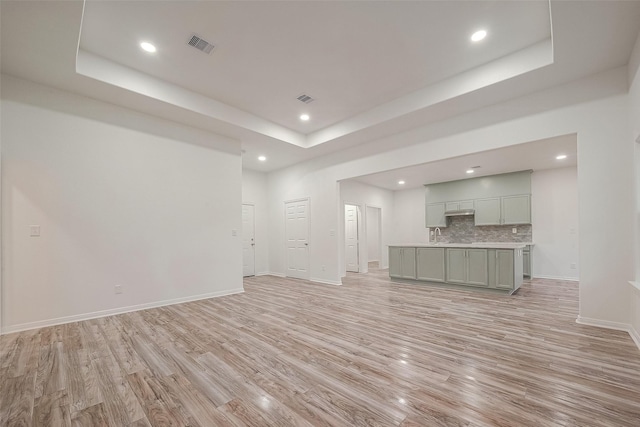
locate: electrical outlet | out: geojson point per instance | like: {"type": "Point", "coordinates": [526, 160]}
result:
{"type": "Point", "coordinates": [234, 233]}
{"type": "Point", "coordinates": [432, 233]}
{"type": "Point", "coordinates": [117, 289]}
{"type": "Point", "coordinates": [34, 230]}
{"type": "Point", "coordinates": [514, 230]}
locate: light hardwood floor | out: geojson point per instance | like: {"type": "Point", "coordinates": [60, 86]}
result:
{"type": "Point", "coordinates": [294, 353]}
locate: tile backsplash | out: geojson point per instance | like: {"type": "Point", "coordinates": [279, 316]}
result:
{"type": "Point", "coordinates": [461, 229]}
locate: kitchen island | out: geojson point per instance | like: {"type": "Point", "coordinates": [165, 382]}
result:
{"type": "Point", "coordinates": [493, 266]}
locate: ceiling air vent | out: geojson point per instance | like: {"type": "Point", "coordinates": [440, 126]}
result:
{"type": "Point", "coordinates": [200, 44]}
{"type": "Point", "coordinates": [305, 98]}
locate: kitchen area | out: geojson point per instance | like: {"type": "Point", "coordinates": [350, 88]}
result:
{"type": "Point", "coordinates": [480, 235]}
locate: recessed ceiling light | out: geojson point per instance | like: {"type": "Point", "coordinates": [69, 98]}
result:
{"type": "Point", "coordinates": [470, 171]}
{"type": "Point", "coordinates": [148, 47]}
{"type": "Point", "coordinates": [478, 35]}
{"type": "Point", "coordinates": [262, 158]}
{"type": "Point", "coordinates": [401, 182]}
{"type": "Point", "coordinates": [561, 157]}
{"type": "Point", "coordinates": [304, 117]}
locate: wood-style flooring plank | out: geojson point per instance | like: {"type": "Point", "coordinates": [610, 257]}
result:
{"type": "Point", "coordinates": [288, 352]}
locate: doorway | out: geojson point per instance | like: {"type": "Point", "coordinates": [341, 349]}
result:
{"type": "Point", "coordinates": [297, 238]}
{"type": "Point", "coordinates": [373, 219]}
{"type": "Point", "coordinates": [248, 241]}
{"type": "Point", "coordinates": [351, 241]}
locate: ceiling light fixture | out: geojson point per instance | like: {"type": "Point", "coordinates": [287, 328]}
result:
{"type": "Point", "coordinates": [304, 117]}
{"type": "Point", "coordinates": [401, 182]}
{"type": "Point", "coordinates": [262, 158]}
{"type": "Point", "coordinates": [561, 157]}
{"type": "Point", "coordinates": [478, 35]}
{"type": "Point", "coordinates": [470, 171]}
{"type": "Point", "coordinates": [148, 47]}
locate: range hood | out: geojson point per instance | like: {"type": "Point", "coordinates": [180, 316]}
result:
{"type": "Point", "coordinates": [460, 212]}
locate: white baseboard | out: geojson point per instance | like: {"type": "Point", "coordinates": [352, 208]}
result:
{"type": "Point", "coordinates": [114, 311]}
{"type": "Point", "coordinates": [570, 279]}
{"type": "Point", "coordinates": [312, 279]}
{"type": "Point", "coordinates": [326, 282]}
{"type": "Point", "coordinates": [603, 324]}
{"type": "Point", "coordinates": [611, 325]}
{"type": "Point", "coordinates": [270, 273]}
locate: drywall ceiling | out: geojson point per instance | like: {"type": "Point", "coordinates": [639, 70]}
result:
{"type": "Point", "coordinates": [534, 155]}
{"type": "Point", "coordinates": [350, 56]}
{"type": "Point", "coordinates": [378, 69]}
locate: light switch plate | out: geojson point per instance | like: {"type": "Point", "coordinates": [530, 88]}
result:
{"type": "Point", "coordinates": [514, 230]}
{"type": "Point", "coordinates": [34, 230]}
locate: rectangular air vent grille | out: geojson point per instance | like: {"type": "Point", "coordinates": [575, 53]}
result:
{"type": "Point", "coordinates": [200, 44]}
{"type": "Point", "coordinates": [305, 98]}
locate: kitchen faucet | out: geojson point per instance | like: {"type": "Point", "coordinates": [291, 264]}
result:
{"type": "Point", "coordinates": [436, 231]}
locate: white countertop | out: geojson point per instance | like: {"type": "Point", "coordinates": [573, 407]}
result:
{"type": "Point", "coordinates": [483, 245]}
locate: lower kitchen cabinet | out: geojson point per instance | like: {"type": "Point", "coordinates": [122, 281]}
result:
{"type": "Point", "coordinates": [402, 262]}
{"type": "Point", "coordinates": [467, 266]}
{"type": "Point", "coordinates": [526, 262]}
{"type": "Point", "coordinates": [500, 269]}
{"type": "Point", "coordinates": [505, 268]}
{"type": "Point", "coordinates": [430, 264]}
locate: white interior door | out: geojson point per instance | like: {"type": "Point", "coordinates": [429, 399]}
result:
{"type": "Point", "coordinates": [297, 238]}
{"type": "Point", "coordinates": [351, 237]}
{"type": "Point", "coordinates": [248, 241]}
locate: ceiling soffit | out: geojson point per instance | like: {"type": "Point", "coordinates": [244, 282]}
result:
{"type": "Point", "coordinates": [96, 65]}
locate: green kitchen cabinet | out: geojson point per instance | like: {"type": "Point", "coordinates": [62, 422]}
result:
{"type": "Point", "coordinates": [488, 211]}
{"type": "Point", "coordinates": [467, 266]}
{"type": "Point", "coordinates": [430, 264]}
{"type": "Point", "coordinates": [516, 209]}
{"type": "Point", "coordinates": [435, 215]}
{"type": "Point", "coordinates": [504, 269]}
{"type": "Point", "coordinates": [402, 262]}
{"type": "Point", "coordinates": [526, 261]}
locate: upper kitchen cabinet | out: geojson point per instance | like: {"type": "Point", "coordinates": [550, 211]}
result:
{"type": "Point", "coordinates": [507, 210]}
{"type": "Point", "coordinates": [435, 215]}
{"type": "Point", "coordinates": [488, 211]}
{"type": "Point", "coordinates": [503, 199]}
{"type": "Point", "coordinates": [516, 209]}
{"type": "Point", "coordinates": [459, 206]}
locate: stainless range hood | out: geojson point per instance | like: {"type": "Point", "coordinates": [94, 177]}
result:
{"type": "Point", "coordinates": [460, 212]}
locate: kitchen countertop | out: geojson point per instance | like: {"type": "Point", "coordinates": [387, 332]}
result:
{"type": "Point", "coordinates": [482, 245]}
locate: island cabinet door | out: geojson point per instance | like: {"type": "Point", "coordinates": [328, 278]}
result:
{"type": "Point", "coordinates": [504, 269]}
{"type": "Point", "coordinates": [408, 263]}
{"type": "Point", "coordinates": [477, 273]}
{"type": "Point", "coordinates": [395, 262]}
{"type": "Point", "coordinates": [456, 265]}
{"type": "Point", "coordinates": [430, 264]}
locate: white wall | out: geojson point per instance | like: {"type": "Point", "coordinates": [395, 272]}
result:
{"type": "Point", "coordinates": [362, 195]}
{"type": "Point", "coordinates": [118, 203]}
{"type": "Point", "coordinates": [634, 122]}
{"type": "Point", "coordinates": [254, 192]}
{"type": "Point", "coordinates": [409, 216]}
{"type": "Point", "coordinates": [554, 214]}
{"type": "Point", "coordinates": [595, 108]}
{"type": "Point", "coordinates": [372, 217]}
